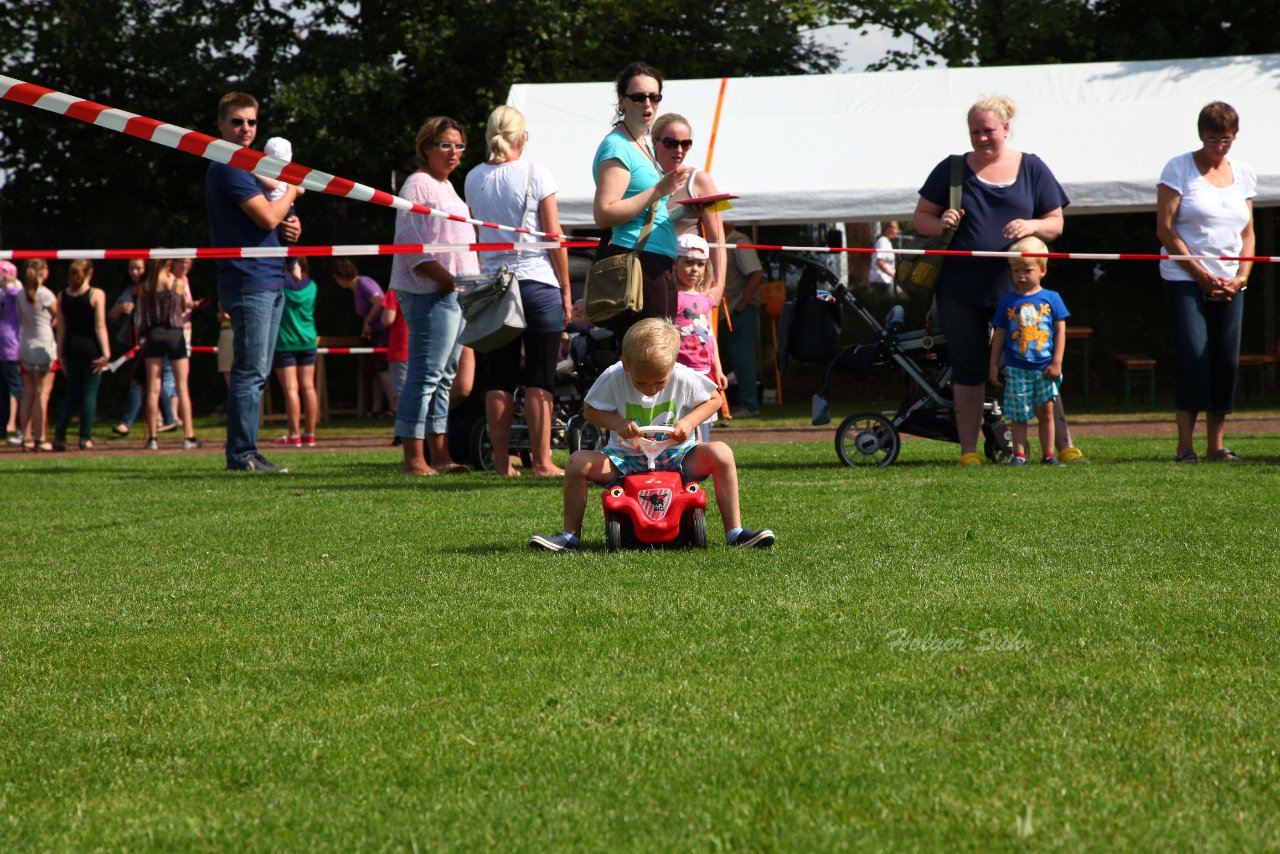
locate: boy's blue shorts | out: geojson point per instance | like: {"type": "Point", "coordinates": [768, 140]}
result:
{"type": "Point", "coordinates": [672, 459]}
{"type": "Point", "coordinates": [1025, 391]}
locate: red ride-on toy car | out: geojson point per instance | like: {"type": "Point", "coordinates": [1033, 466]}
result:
{"type": "Point", "coordinates": [656, 508]}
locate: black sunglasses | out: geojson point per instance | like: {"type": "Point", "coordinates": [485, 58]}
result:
{"type": "Point", "coordinates": [253, 123]}
{"type": "Point", "coordinates": [641, 97]}
{"type": "Point", "coordinates": [671, 143]}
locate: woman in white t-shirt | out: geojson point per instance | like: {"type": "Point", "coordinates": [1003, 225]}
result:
{"type": "Point", "coordinates": [1204, 206]}
{"type": "Point", "coordinates": [511, 191]}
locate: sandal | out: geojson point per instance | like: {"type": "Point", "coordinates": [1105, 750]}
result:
{"type": "Point", "coordinates": [86, 444]}
{"type": "Point", "coordinates": [120, 430]}
{"type": "Point", "coordinates": [60, 445]}
{"type": "Point", "coordinates": [456, 468]}
{"type": "Point", "coordinates": [1187, 456]}
{"type": "Point", "coordinates": [1224, 455]}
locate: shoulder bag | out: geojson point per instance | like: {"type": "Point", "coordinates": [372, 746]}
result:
{"type": "Point", "coordinates": [917, 274]}
{"type": "Point", "coordinates": [492, 307]}
{"type": "Point", "coordinates": [615, 285]}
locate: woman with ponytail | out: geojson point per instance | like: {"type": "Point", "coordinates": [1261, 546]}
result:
{"type": "Point", "coordinates": [509, 190]}
{"type": "Point", "coordinates": [82, 341]}
{"type": "Point", "coordinates": [38, 351]}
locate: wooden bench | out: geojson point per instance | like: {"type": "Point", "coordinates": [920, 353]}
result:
{"type": "Point", "coordinates": [1136, 367]}
{"type": "Point", "coordinates": [1260, 362]}
{"type": "Point", "coordinates": [1080, 335]}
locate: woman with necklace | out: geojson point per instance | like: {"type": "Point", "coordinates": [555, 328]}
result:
{"type": "Point", "coordinates": [424, 285]}
{"type": "Point", "coordinates": [631, 186]}
{"type": "Point", "coordinates": [1204, 206]}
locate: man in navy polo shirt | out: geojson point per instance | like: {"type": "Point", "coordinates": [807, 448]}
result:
{"type": "Point", "coordinates": [249, 289]}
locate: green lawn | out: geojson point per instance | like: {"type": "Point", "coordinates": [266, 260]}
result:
{"type": "Point", "coordinates": [932, 658]}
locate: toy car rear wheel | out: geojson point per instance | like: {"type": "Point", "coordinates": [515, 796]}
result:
{"type": "Point", "coordinates": [585, 436]}
{"type": "Point", "coordinates": [998, 444]}
{"type": "Point", "coordinates": [693, 529]}
{"type": "Point", "coordinates": [867, 439]}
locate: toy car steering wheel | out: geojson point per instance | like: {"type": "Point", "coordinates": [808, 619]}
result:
{"type": "Point", "coordinates": [652, 448]}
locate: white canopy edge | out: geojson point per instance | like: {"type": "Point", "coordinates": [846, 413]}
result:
{"type": "Point", "coordinates": [857, 147]}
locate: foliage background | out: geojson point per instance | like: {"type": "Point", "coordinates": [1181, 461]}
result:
{"type": "Point", "coordinates": [349, 83]}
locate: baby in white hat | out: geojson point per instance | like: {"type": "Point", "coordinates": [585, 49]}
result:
{"type": "Point", "coordinates": [282, 149]}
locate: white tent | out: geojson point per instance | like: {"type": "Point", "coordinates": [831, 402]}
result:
{"type": "Point", "coordinates": [850, 147]}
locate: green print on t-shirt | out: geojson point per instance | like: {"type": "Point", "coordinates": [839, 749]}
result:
{"type": "Point", "coordinates": [654, 416]}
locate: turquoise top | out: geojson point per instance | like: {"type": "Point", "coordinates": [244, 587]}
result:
{"type": "Point", "coordinates": [644, 174]}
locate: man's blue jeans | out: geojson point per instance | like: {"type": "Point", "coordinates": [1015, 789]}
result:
{"type": "Point", "coordinates": [255, 322]}
{"type": "Point", "coordinates": [434, 324]}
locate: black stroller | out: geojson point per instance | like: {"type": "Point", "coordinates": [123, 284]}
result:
{"type": "Point", "coordinates": [927, 409]}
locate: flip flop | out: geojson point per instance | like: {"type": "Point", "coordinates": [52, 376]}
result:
{"type": "Point", "coordinates": [1187, 456]}
{"type": "Point", "coordinates": [456, 468]}
{"type": "Point", "coordinates": [120, 430]}
{"type": "Point", "coordinates": [1224, 455]}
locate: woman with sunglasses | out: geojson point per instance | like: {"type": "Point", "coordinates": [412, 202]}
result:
{"type": "Point", "coordinates": [629, 182]}
{"type": "Point", "coordinates": [672, 139]}
{"type": "Point", "coordinates": [424, 285]}
{"type": "Point", "coordinates": [1204, 206]}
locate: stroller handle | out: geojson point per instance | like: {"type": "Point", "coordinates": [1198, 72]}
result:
{"type": "Point", "coordinates": [824, 273]}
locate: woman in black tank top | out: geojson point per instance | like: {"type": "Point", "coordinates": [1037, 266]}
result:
{"type": "Point", "coordinates": [84, 350]}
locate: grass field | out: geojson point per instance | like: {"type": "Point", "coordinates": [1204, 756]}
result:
{"type": "Point", "coordinates": [931, 658]}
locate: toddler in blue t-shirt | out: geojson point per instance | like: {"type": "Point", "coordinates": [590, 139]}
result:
{"type": "Point", "coordinates": [1031, 333]}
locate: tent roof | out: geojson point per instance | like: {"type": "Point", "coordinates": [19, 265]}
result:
{"type": "Point", "coordinates": [849, 147]}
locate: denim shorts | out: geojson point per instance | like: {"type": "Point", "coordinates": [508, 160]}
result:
{"type": "Point", "coordinates": [294, 358]}
{"type": "Point", "coordinates": [1025, 391]}
{"type": "Point", "coordinates": [672, 459]}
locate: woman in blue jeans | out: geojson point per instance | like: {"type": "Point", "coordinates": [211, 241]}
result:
{"type": "Point", "coordinates": [1204, 206]}
{"type": "Point", "coordinates": [424, 285]}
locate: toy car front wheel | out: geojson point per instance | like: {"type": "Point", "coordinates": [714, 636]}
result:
{"type": "Point", "coordinates": [617, 530]}
{"type": "Point", "coordinates": [693, 528]}
{"type": "Point", "coordinates": [867, 439]}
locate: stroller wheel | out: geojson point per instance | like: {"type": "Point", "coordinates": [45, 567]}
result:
{"type": "Point", "coordinates": [998, 442]}
{"type": "Point", "coordinates": [867, 439]}
{"type": "Point", "coordinates": [480, 447]}
{"type": "Point", "coordinates": [585, 436]}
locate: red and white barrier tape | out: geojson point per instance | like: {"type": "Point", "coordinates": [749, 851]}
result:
{"type": "Point", "coordinates": [420, 248]}
{"type": "Point", "coordinates": [284, 251]}
{"type": "Point", "coordinates": [115, 364]}
{"type": "Point", "coordinates": [220, 151]}
{"type": "Point", "coordinates": [978, 253]}
{"type": "Point", "coordinates": [322, 351]}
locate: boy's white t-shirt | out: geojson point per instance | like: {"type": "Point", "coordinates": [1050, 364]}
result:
{"type": "Point", "coordinates": [684, 392]}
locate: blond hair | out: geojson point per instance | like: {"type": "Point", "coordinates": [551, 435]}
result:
{"type": "Point", "coordinates": [652, 343]}
{"type": "Point", "coordinates": [31, 276]}
{"type": "Point", "coordinates": [665, 120]}
{"type": "Point", "coordinates": [503, 132]}
{"type": "Point", "coordinates": [1031, 243]}
{"type": "Point", "coordinates": [1000, 105]}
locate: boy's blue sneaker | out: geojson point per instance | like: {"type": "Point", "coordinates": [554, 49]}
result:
{"type": "Point", "coordinates": [750, 539]}
{"type": "Point", "coordinates": [1050, 461]}
{"type": "Point", "coordinates": [1018, 461]}
{"type": "Point", "coordinates": [560, 542]}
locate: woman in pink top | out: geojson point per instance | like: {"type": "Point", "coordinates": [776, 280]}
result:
{"type": "Point", "coordinates": [424, 284]}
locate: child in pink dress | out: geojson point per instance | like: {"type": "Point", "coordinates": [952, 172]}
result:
{"type": "Point", "coordinates": [693, 315]}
